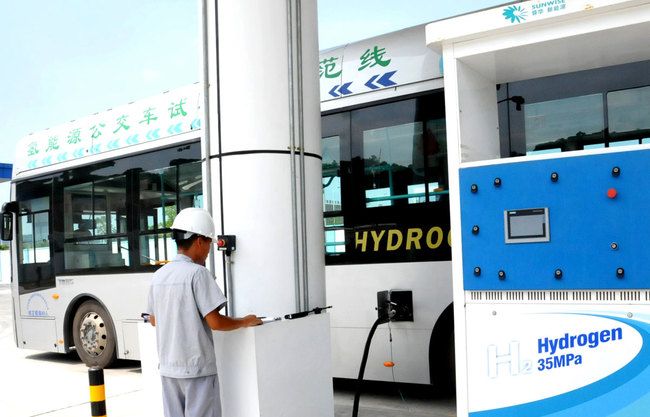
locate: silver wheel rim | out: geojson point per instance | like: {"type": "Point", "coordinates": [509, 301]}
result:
{"type": "Point", "coordinates": [92, 332]}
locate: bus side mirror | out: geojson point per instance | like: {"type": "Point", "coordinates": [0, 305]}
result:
{"type": "Point", "coordinates": [6, 228]}
{"type": "Point", "coordinates": [7, 225]}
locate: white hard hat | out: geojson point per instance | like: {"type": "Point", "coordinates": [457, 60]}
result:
{"type": "Point", "coordinates": [194, 220]}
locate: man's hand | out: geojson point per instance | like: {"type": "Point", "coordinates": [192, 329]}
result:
{"type": "Point", "coordinates": [252, 320]}
{"type": "Point", "coordinates": [217, 321]}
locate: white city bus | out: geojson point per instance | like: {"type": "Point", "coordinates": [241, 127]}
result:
{"type": "Point", "coordinates": [385, 203]}
{"type": "Point", "coordinates": [93, 202]}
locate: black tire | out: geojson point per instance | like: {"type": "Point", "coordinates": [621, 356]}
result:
{"type": "Point", "coordinates": [94, 335]}
{"type": "Point", "coordinates": [442, 363]}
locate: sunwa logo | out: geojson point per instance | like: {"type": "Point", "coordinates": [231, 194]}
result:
{"type": "Point", "coordinates": [515, 14]}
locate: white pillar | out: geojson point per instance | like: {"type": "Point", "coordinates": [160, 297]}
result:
{"type": "Point", "coordinates": [263, 97]}
{"type": "Point", "coordinates": [256, 107]}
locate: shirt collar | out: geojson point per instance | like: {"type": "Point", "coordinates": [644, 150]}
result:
{"type": "Point", "coordinates": [182, 258]}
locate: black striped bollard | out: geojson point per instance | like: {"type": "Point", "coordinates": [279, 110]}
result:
{"type": "Point", "coordinates": [97, 394]}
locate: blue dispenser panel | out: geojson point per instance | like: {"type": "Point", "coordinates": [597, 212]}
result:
{"type": "Point", "coordinates": [598, 209]}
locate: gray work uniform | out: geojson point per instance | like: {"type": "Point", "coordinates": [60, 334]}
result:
{"type": "Point", "coordinates": [182, 293]}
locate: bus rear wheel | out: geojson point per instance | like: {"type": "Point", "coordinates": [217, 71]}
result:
{"type": "Point", "coordinates": [94, 335]}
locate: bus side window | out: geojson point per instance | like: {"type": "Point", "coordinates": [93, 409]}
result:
{"type": "Point", "coordinates": [95, 236]}
{"type": "Point", "coordinates": [33, 240]}
{"type": "Point", "coordinates": [163, 193]}
{"type": "Point", "coordinates": [336, 177]}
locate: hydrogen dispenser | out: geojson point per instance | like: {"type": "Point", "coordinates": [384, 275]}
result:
{"type": "Point", "coordinates": [548, 123]}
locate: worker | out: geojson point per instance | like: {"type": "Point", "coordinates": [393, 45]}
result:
{"type": "Point", "coordinates": [184, 303]}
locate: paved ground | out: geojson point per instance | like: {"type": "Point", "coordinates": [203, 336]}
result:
{"type": "Point", "coordinates": [53, 385]}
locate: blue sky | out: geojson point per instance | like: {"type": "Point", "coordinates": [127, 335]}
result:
{"type": "Point", "coordinates": [62, 60]}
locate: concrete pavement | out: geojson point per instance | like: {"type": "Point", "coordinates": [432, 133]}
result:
{"type": "Point", "coordinates": [54, 385]}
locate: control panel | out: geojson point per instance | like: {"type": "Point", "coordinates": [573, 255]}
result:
{"type": "Point", "coordinates": [565, 223]}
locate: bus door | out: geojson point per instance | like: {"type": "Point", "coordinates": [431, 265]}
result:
{"type": "Point", "coordinates": [37, 325]}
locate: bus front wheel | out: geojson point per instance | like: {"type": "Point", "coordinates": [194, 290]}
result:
{"type": "Point", "coordinates": [94, 335]}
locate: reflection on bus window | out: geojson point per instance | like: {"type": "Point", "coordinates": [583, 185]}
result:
{"type": "Point", "coordinates": [331, 174]}
{"type": "Point", "coordinates": [163, 193]}
{"type": "Point", "coordinates": [95, 224]}
{"type": "Point", "coordinates": [334, 235]}
{"type": "Point", "coordinates": [95, 208]}
{"type": "Point", "coordinates": [190, 185]}
{"type": "Point", "coordinates": [35, 270]}
{"type": "Point", "coordinates": [564, 124]}
{"type": "Point", "coordinates": [591, 109]}
{"type": "Point", "coordinates": [97, 253]}
{"type": "Point", "coordinates": [156, 248]}
{"type": "Point", "coordinates": [385, 181]}
{"type": "Point", "coordinates": [399, 159]}
{"type": "Point", "coordinates": [157, 198]}
{"type": "Point", "coordinates": [332, 203]}
{"type": "Point", "coordinates": [113, 215]}
{"type": "Point", "coordinates": [628, 114]}
{"type": "Point", "coordinates": [34, 238]}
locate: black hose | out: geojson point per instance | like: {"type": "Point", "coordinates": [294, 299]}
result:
{"type": "Point", "coordinates": [362, 369]}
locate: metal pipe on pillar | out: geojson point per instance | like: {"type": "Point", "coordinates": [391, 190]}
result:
{"type": "Point", "coordinates": [206, 127]}
{"type": "Point", "coordinates": [292, 158]}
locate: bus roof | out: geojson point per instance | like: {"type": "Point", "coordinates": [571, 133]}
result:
{"type": "Point", "coordinates": [386, 61]}
{"type": "Point", "coordinates": [171, 113]}
{"type": "Point", "coordinates": [373, 64]}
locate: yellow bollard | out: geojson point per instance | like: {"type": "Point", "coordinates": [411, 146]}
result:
{"type": "Point", "coordinates": [97, 394]}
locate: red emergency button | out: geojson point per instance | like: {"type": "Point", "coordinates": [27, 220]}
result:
{"type": "Point", "coordinates": [611, 193]}
{"type": "Point", "coordinates": [221, 243]}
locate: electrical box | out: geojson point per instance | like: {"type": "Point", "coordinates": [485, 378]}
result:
{"type": "Point", "coordinates": [226, 243]}
{"type": "Point", "coordinates": [396, 304]}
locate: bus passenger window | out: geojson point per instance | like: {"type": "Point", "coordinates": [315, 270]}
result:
{"type": "Point", "coordinates": [95, 224]}
{"type": "Point", "coordinates": [404, 164]}
{"type": "Point", "coordinates": [163, 193]}
{"type": "Point", "coordinates": [332, 204]}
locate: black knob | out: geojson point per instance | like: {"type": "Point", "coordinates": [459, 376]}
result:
{"type": "Point", "coordinates": [620, 273]}
{"type": "Point", "coordinates": [616, 171]}
{"type": "Point", "coordinates": [474, 188]}
{"type": "Point", "coordinates": [477, 271]}
{"type": "Point", "coordinates": [558, 273]}
{"type": "Point", "coordinates": [497, 182]}
{"type": "Point", "coordinates": [475, 230]}
{"type": "Point", "coordinates": [555, 177]}
{"type": "Point", "coordinates": [502, 275]}
{"type": "Point", "coordinates": [614, 245]}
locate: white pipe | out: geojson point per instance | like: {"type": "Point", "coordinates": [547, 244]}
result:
{"type": "Point", "coordinates": [206, 149]}
{"type": "Point", "coordinates": [292, 161]}
{"type": "Point", "coordinates": [301, 146]}
{"type": "Point", "coordinates": [205, 122]}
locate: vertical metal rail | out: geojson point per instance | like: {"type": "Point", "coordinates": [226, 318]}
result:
{"type": "Point", "coordinates": [292, 155]}
{"type": "Point", "coordinates": [205, 122]}
{"type": "Point", "coordinates": [301, 144]}
{"type": "Point", "coordinates": [205, 143]}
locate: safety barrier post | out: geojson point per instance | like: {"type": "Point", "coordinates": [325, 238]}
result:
{"type": "Point", "coordinates": [97, 394]}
